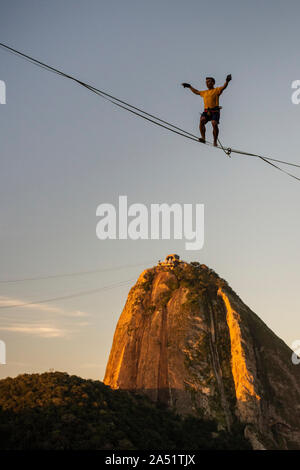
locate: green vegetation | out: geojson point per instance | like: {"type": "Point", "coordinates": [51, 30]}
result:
{"type": "Point", "coordinates": [146, 283]}
{"type": "Point", "coordinates": [58, 411]}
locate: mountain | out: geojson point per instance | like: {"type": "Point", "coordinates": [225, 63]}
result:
{"type": "Point", "coordinates": [188, 341]}
{"type": "Point", "coordinates": [56, 411]}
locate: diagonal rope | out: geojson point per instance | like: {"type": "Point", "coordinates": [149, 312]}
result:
{"type": "Point", "coordinates": [228, 152]}
{"type": "Point", "coordinates": [240, 152]}
{"type": "Point", "coordinates": [143, 114]}
{"type": "Point", "coordinates": [91, 88]}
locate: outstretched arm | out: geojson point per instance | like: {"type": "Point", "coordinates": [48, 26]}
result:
{"type": "Point", "coordinates": [222, 88]}
{"type": "Point", "coordinates": [194, 90]}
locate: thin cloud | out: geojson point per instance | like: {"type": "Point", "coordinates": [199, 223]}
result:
{"type": "Point", "coordinates": [42, 330]}
{"type": "Point", "coordinates": [8, 301]}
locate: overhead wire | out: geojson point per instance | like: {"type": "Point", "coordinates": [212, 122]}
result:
{"type": "Point", "coordinates": [70, 296]}
{"type": "Point", "coordinates": [76, 273]}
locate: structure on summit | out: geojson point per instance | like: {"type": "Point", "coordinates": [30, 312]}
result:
{"type": "Point", "coordinates": [171, 260]}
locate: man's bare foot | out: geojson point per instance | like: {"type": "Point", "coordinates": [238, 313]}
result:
{"type": "Point", "coordinates": [203, 141]}
{"type": "Point", "coordinates": [215, 143]}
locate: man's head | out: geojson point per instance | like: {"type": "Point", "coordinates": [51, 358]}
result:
{"type": "Point", "coordinates": [210, 81]}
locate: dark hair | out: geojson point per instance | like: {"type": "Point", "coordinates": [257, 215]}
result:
{"type": "Point", "coordinates": [211, 78]}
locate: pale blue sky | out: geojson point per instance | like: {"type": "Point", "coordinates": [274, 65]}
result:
{"type": "Point", "coordinates": [64, 151]}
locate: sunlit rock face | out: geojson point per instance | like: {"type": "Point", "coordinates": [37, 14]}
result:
{"type": "Point", "coordinates": [187, 340]}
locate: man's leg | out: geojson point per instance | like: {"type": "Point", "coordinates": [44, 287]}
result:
{"type": "Point", "coordinates": [215, 132]}
{"type": "Point", "coordinates": [203, 121]}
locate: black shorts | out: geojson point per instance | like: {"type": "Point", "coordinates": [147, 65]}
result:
{"type": "Point", "coordinates": [211, 115]}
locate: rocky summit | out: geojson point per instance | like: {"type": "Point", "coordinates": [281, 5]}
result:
{"type": "Point", "coordinates": [187, 340]}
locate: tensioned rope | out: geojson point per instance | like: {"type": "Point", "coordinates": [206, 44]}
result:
{"type": "Point", "coordinates": [151, 118]}
{"type": "Point", "coordinates": [101, 93]}
{"type": "Point", "coordinates": [228, 152]}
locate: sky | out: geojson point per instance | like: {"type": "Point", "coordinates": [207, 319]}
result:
{"type": "Point", "coordinates": [64, 151]}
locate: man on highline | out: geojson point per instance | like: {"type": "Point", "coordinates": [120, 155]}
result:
{"type": "Point", "coordinates": [211, 106]}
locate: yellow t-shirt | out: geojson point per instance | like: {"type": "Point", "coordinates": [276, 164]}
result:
{"type": "Point", "coordinates": [211, 97]}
